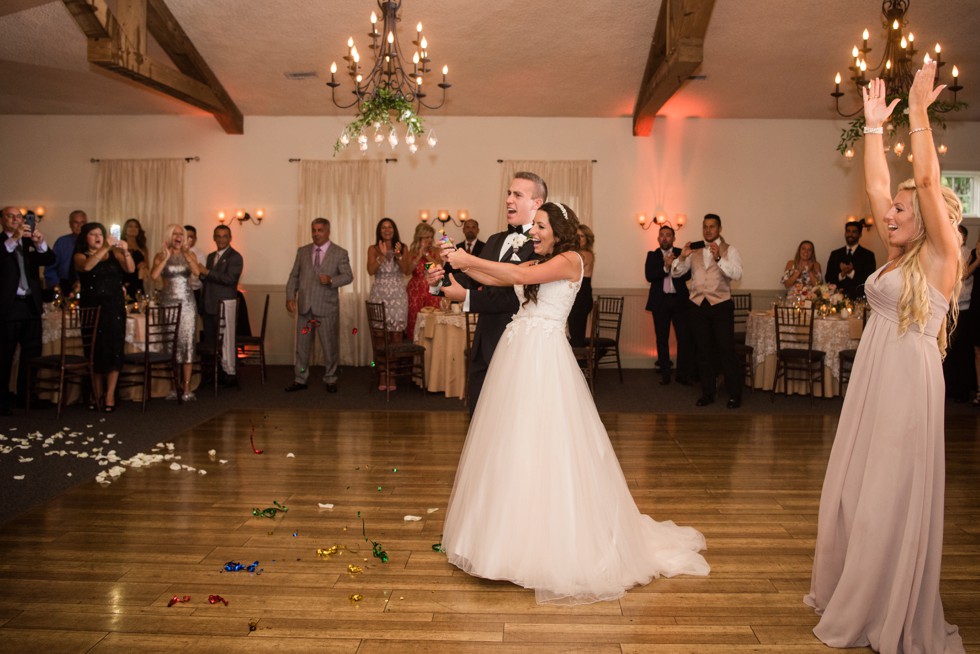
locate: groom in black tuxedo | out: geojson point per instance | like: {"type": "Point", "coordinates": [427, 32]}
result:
{"type": "Point", "coordinates": [849, 266]}
{"type": "Point", "coordinates": [497, 304]}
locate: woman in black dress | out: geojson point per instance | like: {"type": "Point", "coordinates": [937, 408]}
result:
{"type": "Point", "coordinates": [135, 237]}
{"type": "Point", "coordinates": [100, 263]}
{"type": "Point", "coordinates": [578, 318]}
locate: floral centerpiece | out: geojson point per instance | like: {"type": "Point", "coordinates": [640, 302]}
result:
{"type": "Point", "coordinates": [826, 298]}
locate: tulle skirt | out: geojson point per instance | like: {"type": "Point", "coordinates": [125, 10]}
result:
{"type": "Point", "coordinates": [540, 499]}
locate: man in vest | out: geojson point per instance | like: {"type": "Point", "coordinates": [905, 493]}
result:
{"type": "Point", "coordinates": [714, 265]}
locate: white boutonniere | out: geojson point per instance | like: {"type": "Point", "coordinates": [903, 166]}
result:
{"type": "Point", "coordinates": [519, 241]}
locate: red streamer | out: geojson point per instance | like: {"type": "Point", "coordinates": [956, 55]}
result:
{"type": "Point", "coordinates": [251, 439]}
{"type": "Point", "coordinates": [177, 599]}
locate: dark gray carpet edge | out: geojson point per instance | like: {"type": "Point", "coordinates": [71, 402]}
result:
{"type": "Point", "coordinates": [32, 474]}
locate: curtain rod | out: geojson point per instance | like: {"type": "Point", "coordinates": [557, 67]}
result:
{"type": "Point", "coordinates": [502, 161]}
{"type": "Point", "coordinates": [187, 159]}
{"type": "Point", "coordinates": [297, 160]}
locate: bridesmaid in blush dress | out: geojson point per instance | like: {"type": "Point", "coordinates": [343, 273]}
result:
{"type": "Point", "coordinates": [878, 554]}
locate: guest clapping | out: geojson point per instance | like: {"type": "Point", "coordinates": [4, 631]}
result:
{"type": "Point", "coordinates": [387, 263]}
{"type": "Point", "coordinates": [100, 262]}
{"type": "Point", "coordinates": [803, 270]}
{"type": "Point", "coordinates": [178, 266]}
{"type": "Point", "coordinates": [420, 253]}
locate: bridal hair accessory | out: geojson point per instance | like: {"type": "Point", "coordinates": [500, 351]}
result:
{"type": "Point", "coordinates": [563, 212]}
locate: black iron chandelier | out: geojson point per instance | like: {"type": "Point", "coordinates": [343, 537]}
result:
{"type": "Point", "coordinates": [897, 68]}
{"type": "Point", "coordinates": [391, 90]}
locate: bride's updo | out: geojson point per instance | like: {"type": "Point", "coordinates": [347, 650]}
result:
{"type": "Point", "coordinates": [564, 223]}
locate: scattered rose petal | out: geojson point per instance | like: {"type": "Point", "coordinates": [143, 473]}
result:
{"type": "Point", "coordinates": [431, 510]}
{"type": "Point", "coordinates": [324, 506]}
{"type": "Point", "coordinates": [18, 477]}
{"type": "Point", "coordinates": [412, 518]}
{"type": "Point", "coordinates": [290, 456]}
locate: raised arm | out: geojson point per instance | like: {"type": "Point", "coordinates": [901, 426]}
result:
{"type": "Point", "coordinates": [877, 180]}
{"type": "Point", "coordinates": [940, 236]}
{"type": "Point", "coordinates": [563, 266]}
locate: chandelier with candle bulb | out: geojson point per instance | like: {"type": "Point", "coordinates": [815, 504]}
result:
{"type": "Point", "coordinates": [391, 91]}
{"type": "Point", "coordinates": [897, 68]}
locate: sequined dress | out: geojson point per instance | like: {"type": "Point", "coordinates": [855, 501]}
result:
{"type": "Point", "coordinates": [540, 499]}
{"type": "Point", "coordinates": [389, 288]}
{"type": "Point", "coordinates": [176, 289]}
{"type": "Point", "coordinates": [103, 287]}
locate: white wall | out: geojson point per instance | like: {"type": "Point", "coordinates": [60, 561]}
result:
{"type": "Point", "coordinates": [774, 182]}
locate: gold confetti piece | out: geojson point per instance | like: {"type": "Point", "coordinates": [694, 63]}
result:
{"type": "Point", "coordinates": [354, 569]}
{"type": "Point", "coordinates": [355, 597]}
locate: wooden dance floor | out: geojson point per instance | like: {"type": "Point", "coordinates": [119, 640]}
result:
{"type": "Point", "coordinates": [95, 569]}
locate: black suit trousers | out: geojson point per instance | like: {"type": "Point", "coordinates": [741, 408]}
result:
{"type": "Point", "coordinates": [21, 326]}
{"type": "Point", "coordinates": [714, 336]}
{"type": "Point", "coordinates": [671, 308]}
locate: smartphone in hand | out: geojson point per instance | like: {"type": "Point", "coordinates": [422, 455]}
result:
{"type": "Point", "coordinates": [115, 231]}
{"type": "Point", "coordinates": [697, 245]}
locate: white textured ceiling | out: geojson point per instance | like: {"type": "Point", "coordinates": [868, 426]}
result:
{"type": "Point", "coordinates": [763, 58]}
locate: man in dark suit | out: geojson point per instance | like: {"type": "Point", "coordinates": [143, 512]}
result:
{"type": "Point", "coordinates": [219, 277]}
{"type": "Point", "coordinates": [471, 232]}
{"type": "Point", "coordinates": [668, 300]}
{"type": "Point", "coordinates": [849, 266]}
{"type": "Point", "coordinates": [22, 254]}
{"type": "Point", "coordinates": [497, 304]}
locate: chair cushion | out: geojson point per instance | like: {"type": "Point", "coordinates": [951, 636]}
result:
{"type": "Point", "coordinates": [848, 355]}
{"type": "Point", "coordinates": [793, 353]}
{"type": "Point", "coordinates": [54, 361]}
{"type": "Point", "coordinates": [136, 358]}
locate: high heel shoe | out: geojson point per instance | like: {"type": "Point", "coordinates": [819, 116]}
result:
{"type": "Point", "coordinates": [976, 400]}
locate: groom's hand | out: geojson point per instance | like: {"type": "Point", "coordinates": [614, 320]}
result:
{"type": "Point", "coordinates": [455, 292]}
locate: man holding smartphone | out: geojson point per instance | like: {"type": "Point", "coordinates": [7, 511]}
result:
{"type": "Point", "coordinates": [714, 265]}
{"type": "Point", "coordinates": [22, 253]}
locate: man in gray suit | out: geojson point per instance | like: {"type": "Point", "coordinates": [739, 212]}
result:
{"type": "Point", "coordinates": [220, 276]}
{"type": "Point", "coordinates": [320, 269]}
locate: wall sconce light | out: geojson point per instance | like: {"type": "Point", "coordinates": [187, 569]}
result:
{"type": "Point", "coordinates": [867, 222]}
{"type": "Point", "coordinates": [37, 212]}
{"type": "Point", "coordinates": [443, 216]}
{"type": "Point", "coordinates": [660, 219]}
{"type": "Point", "coordinates": [242, 215]}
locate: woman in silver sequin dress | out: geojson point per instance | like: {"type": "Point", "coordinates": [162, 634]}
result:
{"type": "Point", "coordinates": [389, 268]}
{"type": "Point", "coordinates": [177, 265]}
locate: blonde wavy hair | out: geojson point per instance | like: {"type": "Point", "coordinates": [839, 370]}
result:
{"type": "Point", "coordinates": [913, 305]}
{"type": "Point", "coordinates": [422, 230]}
{"type": "Point", "coordinates": [168, 233]}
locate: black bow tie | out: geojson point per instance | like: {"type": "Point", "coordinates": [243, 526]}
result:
{"type": "Point", "coordinates": [515, 229]}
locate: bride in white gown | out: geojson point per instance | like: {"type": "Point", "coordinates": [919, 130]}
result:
{"type": "Point", "coordinates": [539, 498]}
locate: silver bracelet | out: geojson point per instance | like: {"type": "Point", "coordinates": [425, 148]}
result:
{"type": "Point", "coordinates": [919, 129]}
{"type": "Point", "coordinates": [874, 130]}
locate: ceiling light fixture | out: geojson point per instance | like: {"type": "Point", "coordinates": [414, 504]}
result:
{"type": "Point", "coordinates": [391, 90]}
{"type": "Point", "coordinates": [897, 67]}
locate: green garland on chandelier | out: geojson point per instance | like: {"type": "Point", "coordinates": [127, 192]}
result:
{"type": "Point", "coordinates": [377, 111]}
{"type": "Point", "coordinates": [899, 118]}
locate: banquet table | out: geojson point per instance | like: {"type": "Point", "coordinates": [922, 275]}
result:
{"type": "Point", "coordinates": [830, 335]}
{"type": "Point", "coordinates": [443, 335]}
{"type": "Point", "coordinates": [135, 337]}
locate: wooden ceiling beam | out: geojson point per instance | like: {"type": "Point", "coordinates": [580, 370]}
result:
{"type": "Point", "coordinates": [675, 54]}
{"type": "Point", "coordinates": [117, 42]}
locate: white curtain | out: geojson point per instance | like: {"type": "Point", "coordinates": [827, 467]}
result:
{"type": "Point", "coordinates": [351, 196]}
{"type": "Point", "coordinates": [150, 190]}
{"type": "Point", "coordinates": [569, 182]}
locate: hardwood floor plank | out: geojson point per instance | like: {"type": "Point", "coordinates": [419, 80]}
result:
{"type": "Point", "coordinates": [94, 569]}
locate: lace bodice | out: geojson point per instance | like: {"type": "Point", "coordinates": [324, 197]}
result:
{"type": "Point", "coordinates": [555, 300]}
